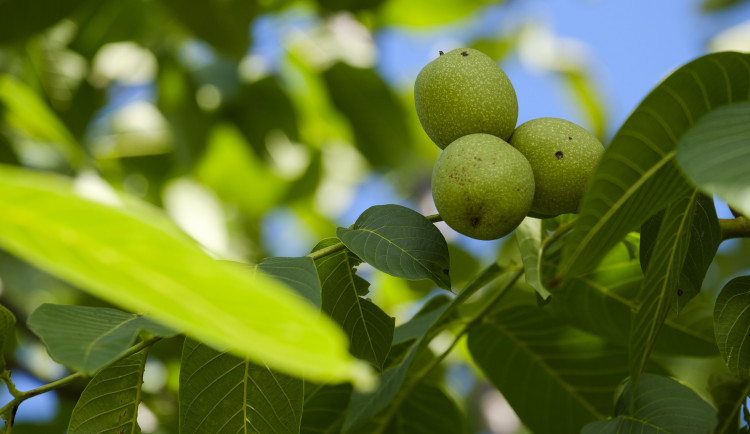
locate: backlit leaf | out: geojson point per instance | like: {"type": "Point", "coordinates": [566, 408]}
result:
{"type": "Point", "coordinates": [638, 174]}
{"type": "Point", "coordinates": [137, 260]}
{"type": "Point", "coordinates": [659, 290]}
{"type": "Point", "coordinates": [109, 403]}
{"type": "Point", "coordinates": [660, 405]}
{"type": "Point", "coordinates": [732, 321]}
{"type": "Point", "coordinates": [556, 377]}
{"type": "Point", "coordinates": [222, 393]}
{"type": "Point", "coordinates": [714, 154]}
{"type": "Point", "coordinates": [88, 338]}
{"type": "Point", "coordinates": [401, 242]}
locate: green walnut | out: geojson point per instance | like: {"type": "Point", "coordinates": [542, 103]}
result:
{"type": "Point", "coordinates": [563, 157]}
{"type": "Point", "coordinates": [482, 186]}
{"type": "Point", "coordinates": [464, 92]}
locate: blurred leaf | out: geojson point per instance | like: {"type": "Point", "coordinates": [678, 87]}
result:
{"type": "Point", "coordinates": [88, 338]}
{"type": "Point", "coordinates": [223, 393]}
{"type": "Point", "coordinates": [372, 410]}
{"type": "Point", "coordinates": [401, 242]}
{"type": "Point", "coordinates": [714, 153]}
{"type": "Point", "coordinates": [529, 236]}
{"type": "Point", "coordinates": [660, 405]}
{"type": "Point", "coordinates": [323, 411]}
{"type": "Point", "coordinates": [109, 403]}
{"type": "Point", "coordinates": [732, 321]}
{"type": "Point", "coordinates": [261, 108]}
{"type": "Point", "coordinates": [348, 5]}
{"type": "Point", "coordinates": [659, 290]}
{"type": "Point", "coordinates": [717, 5]}
{"type": "Point", "coordinates": [376, 116]}
{"type": "Point", "coordinates": [236, 174]}
{"type": "Point", "coordinates": [140, 261]}
{"type": "Point", "coordinates": [225, 24]}
{"type": "Point", "coordinates": [705, 237]}
{"type": "Point", "coordinates": [22, 109]}
{"type": "Point", "coordinates": [307, 184]}
{"type": "Point", "coordinates": [298, 273]}
{"type": "Point", "coordinates": [426, 12]}
{"type": "Point", "coordinates": [370, 330]}
{"type": "Point", "coordinates": [428, 410]}
{"type": "Point", "coordinates": [586, 95]}
{"type": "Point", "coordinates": [21, 19]}
{"type": "Point", "coordinates": [730, 395]}
{"type": "Point", "coordinates": [7, 324]}
{"type": "Point", "coordinates": [601, 302]}
{"type": "Point", "coordinates": [638, 175]}
{"type": "Point", "coordinates": [556, 378]}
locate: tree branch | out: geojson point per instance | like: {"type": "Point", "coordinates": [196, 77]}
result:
{"type": "Point", "coordinates": [734, 228]}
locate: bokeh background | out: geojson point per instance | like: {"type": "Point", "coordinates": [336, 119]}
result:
{"type": "Point", "coordinates": [261, 126]}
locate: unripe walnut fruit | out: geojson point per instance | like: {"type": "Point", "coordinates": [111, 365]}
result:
{"type": "Point", "coordinates": [563, 156]}
{"type": "Point", "coordinates": [482, 186]}
{"type": "Point", "coordinates": [464, 92]}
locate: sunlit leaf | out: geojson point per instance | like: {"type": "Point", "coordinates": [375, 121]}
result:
{"type": "Point", "coordinates": [426, 12]}
{"type": "Point", "coordinates": [732, 321]}
{"type": "Point", "coordinates": [729, 394]}
{"type": "Point", "coordinates": [659, 405]}
{"type": "Point", "coordinates": [659, 290]}
{"type": "Point", "coordinates": [401, 242]}
{"type": "Point", "coordinates": [370, 330]}
{"type": "Point", "coordinates": [88, 338]}
{"type": "Point", "coordinates": [714, 154]}
{"type": "Point", "coordinates": [299, 273]}
{"type": "Point", "coordinates": [556, 378]}
{"type": "Point", "coordinates": [379, 126]}
{"type": "Point", "coordinates": [22, 109]}
{"type": "Point", "coordinates": [222, 393]}
{"type": "Point", "coordinates": [638, 174]}
{"type": "Point", "coordinates": [323, 409]}
{"type": "Point", "coordinates": [133, 259]}
{"type": "Point", "coordinates": [109, 403]}
{"type": "Point", "coordinates": [223, 24]}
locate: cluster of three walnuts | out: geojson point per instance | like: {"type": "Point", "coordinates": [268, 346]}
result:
{"type": "Point", "coordinates": [490, 174]}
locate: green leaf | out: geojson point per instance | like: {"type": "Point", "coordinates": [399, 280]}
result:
{"type": "Point", "coordinates": [223, 24]}
{"type": "Point", "coordinates": [538, 363]}
{"type": "Point", "coordinates": [109, 403]}
{"type": "Point", "coordinates": [529, 236]}
{"type": "Point", "coordinates": [21, 19]}
{"type": "Point", "coordinates": [222, 393]}
{"type": "Point", "coordinates": [373, 410]}
{"type": "Point", "coordinates": [732, 321]}
{"type": "Point", "coordinates": [401, 242]}
{"type": "Point", "coordinates": [602, 301]}
{"type": "Point", "coordinates": [7, 324]}
{"type": "Point", "coordinates": [370, 330]}
{"type": "Point", "coordinates": [379, 126]}
{"type": "Point", "coordinates": [705, 237]}
{"type": "Point", "coordinates": [713, 154]}
{"type": "Point", "coordinates": [716, 5]}
{"type": "Point", "coordinates": [348, 5]}
{"type": "Point", "coordinates": [299, 274]}
{"type": "Point", "coordinates": [140, 262]}
{"type": "Point", "coordinates": [638, 175]}
{"type": "Point", "coordinates": [426, 12]}
{"type": "Point", "coordinates": [659, 290]}
{"type": "Point", "coordinates": [88, 338]}
{"type": "Point", "coordinates": [428, 410]}
{"type": "Point", "coordinates": [660, 405]}
{"type": "Point", "coordinates": [23, 110]}
{"type": "Point", "coordinates": [730, 395]}
{"type": "Point", "coordinates": [324, 407]}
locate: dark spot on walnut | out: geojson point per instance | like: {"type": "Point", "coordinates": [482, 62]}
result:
{"type": "Point", "coordinates": [474, 222]}
{"type": "Point", "coordinates": [477, 158]}
{"type": "Point", "coordinates": [441, 52]}
{"type": "Point", "coordinates": [559, 155]}
{"type": "Point", "coordinates": [570, 138]}
{"type": "Point", "coordinates": [464, 53]}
